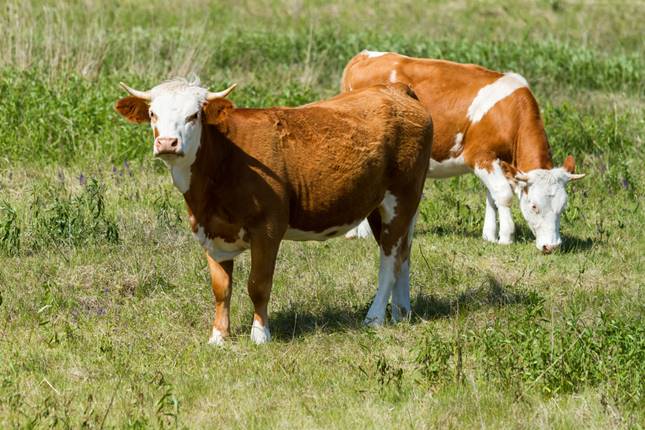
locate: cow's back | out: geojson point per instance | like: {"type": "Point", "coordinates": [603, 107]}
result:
{"type": "Point", "coordinates": [448, 90]}
{"type": "Point", "coordinates": [333, 156]}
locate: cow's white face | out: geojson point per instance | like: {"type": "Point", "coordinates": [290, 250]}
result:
{"type": "Point", "coordinates": [175, 110]}
{"type": "Point", "coordinates": [175, 118]}
{"type": "Point", "coordinates": [543, 198]}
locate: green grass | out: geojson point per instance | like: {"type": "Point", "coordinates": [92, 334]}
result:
{"type": "Point", "coordinates": [105, 306]}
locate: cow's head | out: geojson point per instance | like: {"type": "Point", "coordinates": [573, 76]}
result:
{"type": "Point", "coordinates": [176, 111]}
{"type": "Point", "coordinates": [543, 198]}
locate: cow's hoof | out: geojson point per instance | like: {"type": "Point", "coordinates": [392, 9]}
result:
{"type": "Point", "coordinates": [400, 313]}
{"type": "Point", "coordinates": [373, 321]}
{"type": "Point", "coordinates": [490, 238]}
{"type": "Point", "coordinates": [505, 241]}
{"type": "Point", "coordinates": [216, 338]}
{"type": "Point", "coordinates": [259, 333]}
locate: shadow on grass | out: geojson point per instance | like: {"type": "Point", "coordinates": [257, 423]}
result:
{"type": "Point", "coordinates": [492, 294]}
{"type": "Point", "coordinates": [295, 323]}
{"type": "Point", "coordinates": [570, 244]}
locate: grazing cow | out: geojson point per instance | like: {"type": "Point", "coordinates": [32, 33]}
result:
{"type": "Point", "coordinates": [485, 122]}
{"type": "Point", "coordinates": [253, 177]}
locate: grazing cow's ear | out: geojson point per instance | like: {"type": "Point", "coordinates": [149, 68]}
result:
{"type": "Point", "coordinates": [516, 177]}
{"type": "Point", "coordinates": [569, 166]}
{"type": "Point", "coordinates": [509, 170]}
{"type": "Point", "coordinates": [133, 109]}
{"type": "Point", "coordinates": [216, 112]}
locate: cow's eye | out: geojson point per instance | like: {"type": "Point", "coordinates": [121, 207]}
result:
{"type": "Point", "coordinates": [153, 116]}
{"type": "Point", "coordinates": [192, 118]}
{"type": "Point", "coordinates": [535, 208]}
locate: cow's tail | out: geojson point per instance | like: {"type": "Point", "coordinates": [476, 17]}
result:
{"type": "Point", "coordinates": [344, 83]}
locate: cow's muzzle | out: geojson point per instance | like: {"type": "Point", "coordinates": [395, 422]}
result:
{"type": "Point", "coordinates": [167, 146]}
{"type": "Point", "coordinates": [547, 249]}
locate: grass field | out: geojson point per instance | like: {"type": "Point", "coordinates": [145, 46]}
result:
{"type": "Point", "coordinates": [105, 303]}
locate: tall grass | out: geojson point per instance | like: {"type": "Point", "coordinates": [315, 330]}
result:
{"type": "Point", "coordinates": [105, 304]}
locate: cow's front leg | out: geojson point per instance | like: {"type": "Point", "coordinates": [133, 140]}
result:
{"type": "Point", "coordinates": [492, 175]}
{"type": "Point", "coordinates": [489, 232]}
{"type": "Point", "coordinates": [264, 251]}
{"type": "Point", "coordinates": [221, 282]}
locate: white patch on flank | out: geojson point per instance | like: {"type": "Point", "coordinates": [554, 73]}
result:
{"type": "Point", "coordinates": [386, 279]}
{"type": "Point", "coordinates": [448, 167]}
{"type": "Point", "coordinates": [388, 207]}
{"type": "Point", "coordinates": [259, 333]}
{"type": "Point", "coordinates": [362, 231]}
{"type": "Point", "coordinates": [457, 147]}
{"type": "Point", "coordinates": [393, 76]}
{"type": "Point", "coordinates": [219, 249]}
{"type": "Point", "coordinates": [373, 54]}
{"type": "Point", "coordinates": [216, 338]}
{"type": "Point", "coordinates": [488, 96]}
{"type": "Point", "coordinates": [301, 235]}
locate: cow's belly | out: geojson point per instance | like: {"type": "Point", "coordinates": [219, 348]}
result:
{"type": "Point", "coordinates": [448, 167]}
{"type": "Point", "coordinates": [328, 233]}
{"type": "Point", "coordinates": [219, 249]}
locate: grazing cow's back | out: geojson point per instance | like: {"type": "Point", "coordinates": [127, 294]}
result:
{"type": "Point", "coordinates": [485, 122]}
{"type": "Point", "coordinates": [253, 177]}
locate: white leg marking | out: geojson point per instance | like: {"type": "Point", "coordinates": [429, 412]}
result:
{"type": "Point", "coordinates": [401, 294]}
{"type": "Point", "coordinates": [386, 279]}
{"type": "Point", "coordinates": [488, 96]}
{"type": "Point", "coordinates": [502, 194]}
{"type": "Point", "coordinates": [490, 219]}
{"type": "Point", "coordinates": [362, 231]}
{"type": "Point", "coordinates": [259, 333]}
{"type": "Point", "coordinates": [506, 225]}
{"type": "Point", "coordinates": [216, 338]}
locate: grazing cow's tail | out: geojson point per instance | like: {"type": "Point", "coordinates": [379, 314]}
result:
{"type": "Point", "coordinates": [344, 84]}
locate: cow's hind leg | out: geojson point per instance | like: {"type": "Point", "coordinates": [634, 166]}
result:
{"type": "Point", "coordinates": [264, 251]}
{"type": "Point", "coordinates": [401, 292]}
{"type": "Point", "coordinates": [396, 218]}
{"type": "Point", "coordinates": [489, 232]}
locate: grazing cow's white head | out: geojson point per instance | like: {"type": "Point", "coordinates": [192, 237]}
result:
{"type": "Point", "coordinates": [543, 198]}
{"type": "Point", "coordinates": [175, 111]}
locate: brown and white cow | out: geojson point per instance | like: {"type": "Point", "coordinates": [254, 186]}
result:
{"type": "Point", "coordinates": [253, 177]}
{"type": "Point", "coordinates": [485, 122]}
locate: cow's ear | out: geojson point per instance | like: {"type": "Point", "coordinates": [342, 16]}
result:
{"type": "Point", "coordinates": [569, 166]}
{"type": "Point", "coordinates": [216, 112]}
{"type": "Point", "coordinates": [509, 170]}
{"type": "Point", "coordinates": [133, 109]}
{"type": "Point", "coordinates": [515, 177]}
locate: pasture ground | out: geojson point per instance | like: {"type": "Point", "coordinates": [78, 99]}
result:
{"type": "Point", "coordinates": [105, 305]}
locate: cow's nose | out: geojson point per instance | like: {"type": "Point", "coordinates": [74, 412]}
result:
{"type": "Point", "coordinates": [547, 249]}
{"type": "Point", "coordinates": [167, 145]}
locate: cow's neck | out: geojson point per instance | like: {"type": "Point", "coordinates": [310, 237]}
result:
{"type": "Point", "coordinates": [532, 150]}
{"type": "Point", "coordinates": [209, 172]}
